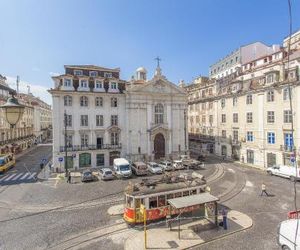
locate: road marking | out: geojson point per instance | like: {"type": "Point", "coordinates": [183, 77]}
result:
{"type": "Point", "coordinates": [231, 170]}
{"type": "Point", "coordinates": [16, 177]}
{"type": "Point", "coordinates": [249, 184]}
{"type": "Point", "coordinates": [24, 176]}
{"type": "Point", "coordinates": [32, 175]}
{"type": "Point", "coordinates": [5, 176]}
{"type": "Point", "coordinates": [11, 176]}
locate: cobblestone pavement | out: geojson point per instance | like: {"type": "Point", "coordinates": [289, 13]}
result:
{"type": "Point", "coordinates": [42, 215]}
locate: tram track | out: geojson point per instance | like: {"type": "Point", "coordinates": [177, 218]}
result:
{"type": "Point", "coordinates": [217, 174]}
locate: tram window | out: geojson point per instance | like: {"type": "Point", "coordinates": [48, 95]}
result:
{"type": "Point", "coordinates": [129, 201]}
{"type": "Point", "coordinates": [161, 200]}
{"type": "Point", "coordinates": [137, 203]}
{"type": "Point", "coordinates": [178, 195]}
{"type": "Point", "coordinates": [152, 202]}
{"type": "Point", "coordinates": [194, 191]}
{"type": "Point", "coordinates": [186, 193]}
{"type": "Point", "coordinates": [170, 196]}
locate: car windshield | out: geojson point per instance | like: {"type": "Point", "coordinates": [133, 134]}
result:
{"type": "Point", "coordinates": [124, 167]}
{"type": "Point", "coordinates": [87, 173]}
{"type": "Point", "coordinates": [168, 164]}
{"type": "Point", "coordinates": [2, 161]}
{"type": "Point", "coordinates": [155, 166]}
{"type": "Point", "coordinates": [108, 172]}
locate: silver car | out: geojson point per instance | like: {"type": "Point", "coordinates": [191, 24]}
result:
{"type": "Point", "coordinates": [106, 174]}
{"type": "Point", "coordinates": [154, 168]}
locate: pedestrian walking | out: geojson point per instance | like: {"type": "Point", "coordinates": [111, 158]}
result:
{"type": "Point", "coordinates": [224, 215]}
{"type": "Point", "coordinates": [263, 190]}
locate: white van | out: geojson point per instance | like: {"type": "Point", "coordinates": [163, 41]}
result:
{"type": "Point", "coordinates": [287, 233]}
{"type": "Point", "coordinates": [122, 168]}
{"type": "Point", "coordinates": [284, 171]}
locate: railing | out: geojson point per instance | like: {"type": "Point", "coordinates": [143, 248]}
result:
{"type": "Point", "coordinates": [90, 147]}
{"type": "Point", "coordinates": [286, 148]}
{"type": "Point", "coordinates": [15, 140]}
{"type": "Point", "coordinates": [201, 137]}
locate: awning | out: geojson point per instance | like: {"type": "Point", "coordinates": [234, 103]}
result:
{"type": "Point", "coordinates": [188, 201]}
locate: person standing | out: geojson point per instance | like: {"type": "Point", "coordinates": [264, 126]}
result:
{"type": "Point", "coordinates": [263, 190]}
{"type": "Point", "coordinates": [224, 215]}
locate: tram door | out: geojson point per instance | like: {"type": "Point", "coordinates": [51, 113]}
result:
{"type": "Point", "coordinates": [138, 212]}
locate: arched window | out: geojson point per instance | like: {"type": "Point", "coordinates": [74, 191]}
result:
{"type": "Point", "coordinates": [159, 113]}
{"type": "Point", "coordinates": [84, 101]}
{"type": "Point", "coordinates": [68, 100]}
{"type": "Point", "coordinates": [99, 101]}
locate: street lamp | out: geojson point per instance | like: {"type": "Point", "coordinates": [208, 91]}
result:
{"type": "Point", "coordinates": [13, 110]}
{"type": "Point", "coordinates": [66, 150]}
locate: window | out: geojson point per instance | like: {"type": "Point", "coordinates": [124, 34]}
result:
{"type": "Point", "coordinates": [159, 113]}
{"type": "Point", "coordinates": [271, 137]}
{"type": "Point", "coordinates": [107, 75]}
{"type": "Point", "coordinates": [286, 95]}
{"type": "Point", "coordinates": [270, 96]}
{"type": "Point", "coordinates": [78, 72]}
{"type": "Point", "coordinates": [234, 101]}
{"type": "Point", "coordinates": [69, 141]}
{"type": "Point", "coordinates": [100, 160]}
{"type": "Point", "coordinates": [203, 106]}
{"type": "Point", "coordinates": [250, 156]}
{"type": "Point", "coordinates": [98, 101]}
{"type": "Point", "coordinates": [223, 118]}
{"type": "Point", "coordinates": [113, 85]}
{"type": "Point", "coordinates": [249, 99]}
{"type": "Point", "coordinates": [153, 202]}
{"type": "Point", "coordinates": [68, 100]}
{"type": "Point", "coordinates": [99, 84]}
{"type": "Point", "coordinates": [99, 120]}
{"type": "Point", "coordinates": [223, 103]}
{"type": "Point", "coordinates": [68, 120]}
{"type": "Point", "coordinates": [203, 119]}
{"type": "Point", "coordinates": [211, 119]}
{"type": "Point", "coordinates": [84, 101]}
{"type": "Point", "coordinates": [249, 136]}
{"type": "Point", "coordinates": [210, 91]}
{"type": "Point", "coordinates": [287, 116]}
{"type": "Point", "coordinates": [235, 117]}
{"type": "Point", "coordinates": [235, 135]}
{"type": "Point", "coordinates": [114, 102]}
{"type": "Point", "coordinates": [83, 83]}
{"type": "Point", "coordinates": [288, 140]}
{"type": "Point", "coordinates": [210, 105]}
{"type": "Point", "coordinates": [236, 59]}
{"type": "Point", "coordinates": [114, 120]}
{"type": "Point", "coordinates": [84, 140]}
{"type": "Point", "coordinates": [249, 117]}
{"type": "Point", "coordinates": [84, 120]}
{"type": "Point", "coordinates": [114, 138]}
{"type": "Point", "coordinates": [67, 82]}
{"type": "Point", "coordinates": [224, 133]}
{"type": "Point", "coordinates": [270, 78]}
{"type": "Point", "coordinates": [93, 73]}
{"type": "Point", "coordinates": [271, 116]}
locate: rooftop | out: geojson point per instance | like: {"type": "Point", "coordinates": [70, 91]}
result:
{"type": "Point", "coordinates": [91, 67]}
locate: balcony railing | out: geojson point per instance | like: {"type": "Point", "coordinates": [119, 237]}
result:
{"type": "Point", "coordinates": [90, 147]}
{"type": "Point", "coordinates": [286, 148]}
{"type": "Point", "coordinates": [201, 137]}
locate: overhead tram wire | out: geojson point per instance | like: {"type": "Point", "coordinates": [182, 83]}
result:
{"type": "Point", "coordinates": [292, 124]}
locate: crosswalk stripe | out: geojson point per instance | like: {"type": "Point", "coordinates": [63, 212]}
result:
{"type": "Point", "coordinates": [10, 177]}
{"type": "Point", "coordinates": [32, 175]}
{"type": "Point", "coordinates": [16, 177]}
{"type": "Point", "coordinates": [24, 176]}
{"type": "Point", "coordinates": [4, 177]}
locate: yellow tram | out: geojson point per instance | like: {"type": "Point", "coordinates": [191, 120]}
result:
{"type": "Point", "coordinates": [7, 161]}
{"type": "Point", "coordinates": [154, 195]}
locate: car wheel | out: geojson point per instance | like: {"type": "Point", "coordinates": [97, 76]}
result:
{"type": "Point", "coordinates": [285, 247]}
{"type": "Point", "coordinates": [269, 172]}
{"type": "Point", "coordinates": [292, 178]}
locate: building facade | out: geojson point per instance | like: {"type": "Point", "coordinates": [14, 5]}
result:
{"type": "Point", "coordinates": [248, 116]}
{"type": "Point", "coordinates": [107, 117]}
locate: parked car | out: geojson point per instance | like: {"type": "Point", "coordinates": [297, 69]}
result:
{"type": "Point", "coordinates": [139, 168]}
{"type": "Point", "coordinates": [166, 165]}
{"type": "Point", "coordinates": [284, 171]}
{"type": "Point", "coordinates": [88, 176]}
{"type": "Point", "coordinates": [287, 233]}
{"type": "Point", "coordinates": [177, 164]}
{"type": "Point", "coordinates": [106, 174]}
{"type": "Point", "coordinates": [154, 168]}
{"type": "Point", "coordinates": [122, 168]}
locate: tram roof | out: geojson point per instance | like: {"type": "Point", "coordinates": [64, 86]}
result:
{"type": "Point", "coordinates": [188, 201]}
{"type": "Point", "coordinates": [165, 187]}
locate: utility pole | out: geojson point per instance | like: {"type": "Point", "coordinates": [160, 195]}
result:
{"type": "Point", "coordinates": [66, 151]}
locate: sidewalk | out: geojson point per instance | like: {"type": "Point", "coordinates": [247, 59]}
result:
{"type": "Point", "coordinates": [192, 234]}
{"type": "Point", "coordinates": [17, 156]}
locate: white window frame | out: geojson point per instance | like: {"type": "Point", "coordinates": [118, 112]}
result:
{"type": "Point", "coordinates": [92, 72]}
{"type": "Point", "coordinates": [76, 72]}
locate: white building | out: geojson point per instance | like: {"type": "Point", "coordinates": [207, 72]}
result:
{"type": "Point", "coordinates": [108, 117]}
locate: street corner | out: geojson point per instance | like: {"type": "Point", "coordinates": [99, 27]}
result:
{"type": "Point", "coordinates": [191, 234]}
{"type": "Point", "coordinates": [116, 210]}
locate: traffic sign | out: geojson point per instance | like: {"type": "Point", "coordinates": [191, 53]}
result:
{"type": "Point", "coordinates": [60, 159]}
{"type": "Point", "coordinates": [292, 159]}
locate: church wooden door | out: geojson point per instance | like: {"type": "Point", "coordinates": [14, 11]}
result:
{"type": "Point", "coordinates": [159, 146]}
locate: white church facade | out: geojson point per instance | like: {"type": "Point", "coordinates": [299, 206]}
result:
{"type": "Point", "coordinates": [98, 117]}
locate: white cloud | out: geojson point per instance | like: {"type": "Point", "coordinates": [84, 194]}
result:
{"type": "Point", "coordinates": [35, 89]}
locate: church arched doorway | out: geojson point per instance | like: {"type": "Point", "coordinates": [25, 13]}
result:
{"type": "Point", "coordinates": [159, 146]}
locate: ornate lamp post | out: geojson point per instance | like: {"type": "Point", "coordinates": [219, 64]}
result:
{"type": "Point", "coordinates": [13, 111]}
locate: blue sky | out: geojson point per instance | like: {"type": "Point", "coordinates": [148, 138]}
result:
{"type": "Point", "coordinates": [38, 37]}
